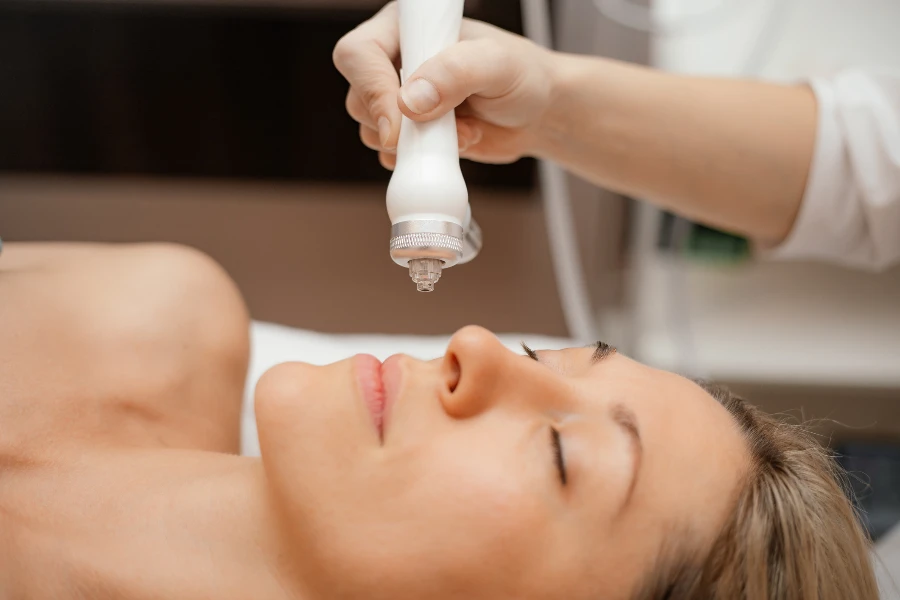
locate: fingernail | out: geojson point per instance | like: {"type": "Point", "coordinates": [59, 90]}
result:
{"type": "Point", "coordinates": [384, 131]}
{"type": "Point", "coordinates": [475, 135]}
{"type": "Point", "coordinates": [468, 136]}
{"type": "Point", "coordinates": [462, 135]}
{"type": "Point", "coordinates": [420, 96]}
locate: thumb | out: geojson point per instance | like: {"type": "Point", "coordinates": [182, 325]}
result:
{"type": "Point", "coordinates": [482, 66]}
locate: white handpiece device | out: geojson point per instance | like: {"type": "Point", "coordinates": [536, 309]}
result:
{"type": "Point", "coordinates": [427, 199]}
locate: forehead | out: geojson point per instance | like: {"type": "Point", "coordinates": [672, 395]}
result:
{"type": "Point", "coordinates": [612, 370]}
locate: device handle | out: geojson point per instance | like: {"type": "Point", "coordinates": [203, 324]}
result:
{"type": "Point", "coordinates": [427, 181]}
{"type": "Point", "coordinates": [426, 28]}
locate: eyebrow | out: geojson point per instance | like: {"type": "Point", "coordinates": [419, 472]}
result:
{"type": "Point", "coordinates": [625, 418]}
{"type": "Point", "coordinates": [602, 350]}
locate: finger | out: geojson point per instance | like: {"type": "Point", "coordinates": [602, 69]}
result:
{"type": "Point", "coordinates": [468, 133]}
{"type": "Point", "coordinates": [358, 111]}
{"type": "Point", "coordinates": [496, 145]}
{"type": "Point", "coordinates": [464, 110]}
{"type": "Point", "coordinates": [365, 57]}
{"type": "Point", "coordinates": [369, 138]}
{"type": "Point", "coordinates": [388, 161]}
{"type": "Point", "coordinates": [382, 28]}
{"type": "Point", "coordinates": [481, 66]}
{"type": "Point", "coordinates": [381, 128]}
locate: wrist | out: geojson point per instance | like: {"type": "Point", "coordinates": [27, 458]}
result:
{"type": "Point", "coordinates": [559, 120]}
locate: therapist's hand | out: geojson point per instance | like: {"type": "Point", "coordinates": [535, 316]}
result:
{"type": "Point", "coordinates": [500, 84]}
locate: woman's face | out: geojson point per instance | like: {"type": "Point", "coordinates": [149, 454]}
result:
{"type": "Point", "coordinates": [494, 475]}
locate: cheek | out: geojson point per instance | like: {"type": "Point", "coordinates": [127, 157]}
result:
{"type": "Point", "coordinates": [505, 531]}
{"type": "Point", "coordinates": [437, 520]}
{"type": "Point", "coordinates": [309, 432]}
{"type": "Point", "coordinates": [483, 488]}
{"type": "Point", "coordinates": [482, 509]}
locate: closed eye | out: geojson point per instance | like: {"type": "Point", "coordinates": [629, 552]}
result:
{"type": "Point", "coordinates": [555, 440]}
{"type": "Point", "coordinates": [558, 455]}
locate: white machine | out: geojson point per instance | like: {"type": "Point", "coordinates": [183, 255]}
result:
{"type": "Point", "coordinates": [427, 200]}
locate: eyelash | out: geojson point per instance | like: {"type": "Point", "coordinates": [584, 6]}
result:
{"type": "Point", "coordinates": [558, 455]}
{"type": "Point", "coordinates": [529, 352]}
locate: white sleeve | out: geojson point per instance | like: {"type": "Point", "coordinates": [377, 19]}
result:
{"type": "Point", "coordinates": [850, 212]}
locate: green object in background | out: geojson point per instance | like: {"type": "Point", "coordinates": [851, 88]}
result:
{"type": "Point", "coordinates": [711, 245]}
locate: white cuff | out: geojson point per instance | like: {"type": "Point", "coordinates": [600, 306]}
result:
{"type": "Point", "coordinates": [816, 231]}
{"type": "Point", "coordinates": [850, 213]}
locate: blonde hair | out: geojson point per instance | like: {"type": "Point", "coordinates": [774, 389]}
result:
{"type": "Point", "coordinates": [794, 533]}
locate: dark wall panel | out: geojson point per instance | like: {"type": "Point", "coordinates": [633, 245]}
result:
{"type": "Point", "coordinates": [175, 90]}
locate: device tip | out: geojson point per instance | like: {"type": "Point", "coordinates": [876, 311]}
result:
{"type": "Point", "coordinates": [425, 272]}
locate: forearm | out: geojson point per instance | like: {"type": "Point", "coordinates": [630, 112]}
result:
{"type": "Point", "coordinates": [731, 154]}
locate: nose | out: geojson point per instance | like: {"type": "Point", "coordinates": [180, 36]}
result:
{"type": "Point", "coordinates": [475, 367]}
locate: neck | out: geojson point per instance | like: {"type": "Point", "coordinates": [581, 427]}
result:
{"type": "Point", "coordinates": [192, 525]}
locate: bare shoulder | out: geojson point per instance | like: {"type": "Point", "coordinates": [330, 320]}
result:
{"type": "Point", "coordinates": [133, 344]}
{"type": "Point", "coordinates": [107, 353]}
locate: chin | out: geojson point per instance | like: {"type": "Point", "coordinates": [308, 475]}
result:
{"type": "Point", "coordinates": [319, 447]}
{"type": "Point", "coordinates": [316, 440]}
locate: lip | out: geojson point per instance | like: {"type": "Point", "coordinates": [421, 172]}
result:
{"type": "Point", "coordinates": [391, 382]}
{"type": "Point", "coordinates": [369, 377]}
